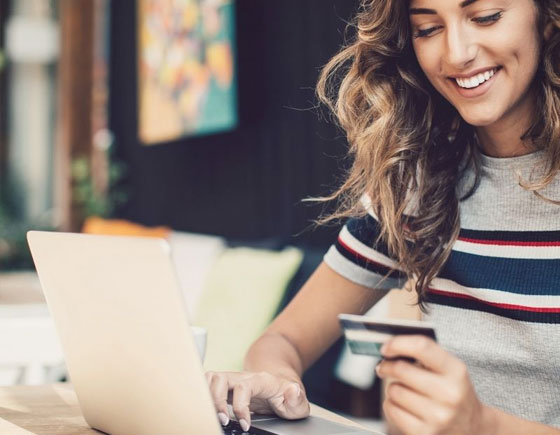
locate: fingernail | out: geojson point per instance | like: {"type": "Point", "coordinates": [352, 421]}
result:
{"type": "Point", "coordinates": [224, 419]}
{"type": "Point", "coordinates": [298, 390]}
{"type": "Point", "coordinates": [244, 425]}
{"type": "Point", "coordinates": [383, 349]}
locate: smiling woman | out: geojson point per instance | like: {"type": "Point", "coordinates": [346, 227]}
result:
{"type": "Point", "coordinates": [457, 46]}
{"type": "Point", "coordinates": [452, 113]}
{"type": "Point", "coordinates": [443, 70]}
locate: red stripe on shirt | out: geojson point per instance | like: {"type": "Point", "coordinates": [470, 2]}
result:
{"type": "Point", "coordinates": [362, 257]}
{"type": "Point", "coordinates": [508, 242]}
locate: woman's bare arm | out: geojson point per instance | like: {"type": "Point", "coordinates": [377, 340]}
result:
{"type": "Point", "coordinates": [308, 326]}
{"type": "Point", "coordinates": [295, 339]}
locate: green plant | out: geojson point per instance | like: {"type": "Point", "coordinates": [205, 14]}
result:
{"type": "Point", "coordinates": [92, 201]}
{"type": "Point", "coordinates": [14, 252]}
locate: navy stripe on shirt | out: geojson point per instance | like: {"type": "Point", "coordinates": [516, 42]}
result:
{"type": "Point", "coordinates": [366, 229]}
{"type": "Point", "coordinates": [511, 236]}
{"type": "Point", "coordinates": [366, 263]}
{"type": "Point", "coordinates": [514, 275]}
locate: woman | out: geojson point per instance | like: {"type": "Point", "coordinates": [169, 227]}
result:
{"type": "Point", "coordinates": [452, 111]}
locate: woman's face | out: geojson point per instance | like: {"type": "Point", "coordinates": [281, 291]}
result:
{"type": "Point", "coordinates": [481, 55]}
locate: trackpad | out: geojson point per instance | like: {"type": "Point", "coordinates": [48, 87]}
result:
{"type": "Point", "coordinates": [309, 425]}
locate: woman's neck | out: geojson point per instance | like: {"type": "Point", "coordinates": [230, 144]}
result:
{"type": "Point", "coordinates": [503, 142]}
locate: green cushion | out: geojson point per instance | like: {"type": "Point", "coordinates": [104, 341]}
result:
{"type": "Point", "coordinates": [241, 296]}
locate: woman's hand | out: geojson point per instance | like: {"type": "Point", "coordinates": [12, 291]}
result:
{"type": "Point", "coordinates": [261, 392]}
{"type": "Point", "coordinates": [434, 396]}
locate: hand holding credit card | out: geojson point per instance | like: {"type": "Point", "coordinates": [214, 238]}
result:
{"type": "Point", "coordinates": [365, 335]}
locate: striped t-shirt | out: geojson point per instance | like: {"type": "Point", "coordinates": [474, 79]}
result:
{"type": "Point", "coordinates": [496, 302]}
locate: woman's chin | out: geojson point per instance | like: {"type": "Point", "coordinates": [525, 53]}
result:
{"type": "Point", "coordinates": [479, 119]}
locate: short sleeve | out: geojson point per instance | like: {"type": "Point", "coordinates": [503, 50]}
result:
{"type": "Point", "coordinates": [357, 257]}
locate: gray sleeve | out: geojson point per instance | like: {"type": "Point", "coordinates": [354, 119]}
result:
{"type": "Point", "coordinates": [360, 275]}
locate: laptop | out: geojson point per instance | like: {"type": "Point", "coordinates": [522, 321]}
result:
{"type": "Point", "coordinates": [123, 326]}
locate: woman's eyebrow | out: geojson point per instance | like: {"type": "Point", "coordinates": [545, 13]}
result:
{"type": "Point", "coordinates": [424, 11]}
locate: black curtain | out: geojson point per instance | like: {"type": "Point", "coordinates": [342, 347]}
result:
{"type": "Point", "coordinates": [247, 183]}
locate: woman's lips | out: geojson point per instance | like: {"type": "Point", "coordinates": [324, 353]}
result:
{"type": "Point", "coordinates": [479, 90]}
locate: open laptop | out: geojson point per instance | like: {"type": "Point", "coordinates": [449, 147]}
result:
{"type": "Point", "coordinates": [124, 330]}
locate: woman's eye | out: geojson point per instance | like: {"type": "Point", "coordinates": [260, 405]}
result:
{"type": "Point", "coordinates": [488, 19]}
{"type": "Point", "coordinates": [421, 33]}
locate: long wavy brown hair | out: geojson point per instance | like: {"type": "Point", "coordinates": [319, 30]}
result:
{"type": "Point", "coordinates": [407, 143]}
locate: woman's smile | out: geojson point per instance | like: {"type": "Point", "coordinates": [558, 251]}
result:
{"type": "Point", "coordinates": [474, 85]}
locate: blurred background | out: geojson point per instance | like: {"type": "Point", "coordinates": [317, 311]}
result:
{"type": "Point", "coordinates": [193, 120]}
{"type": "Point", "coordinates": [201, 114]}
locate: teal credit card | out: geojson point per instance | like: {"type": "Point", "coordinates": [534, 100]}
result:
{"type": "Point", "coordinates": [365, 335]}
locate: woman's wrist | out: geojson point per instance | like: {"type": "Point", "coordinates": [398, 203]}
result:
{"type": "Point", "coordinates": [497, 422]}
{"type": "Point", "coordinates": [488, 421]}
{"type": "Point", "coordinates": [274, 354]}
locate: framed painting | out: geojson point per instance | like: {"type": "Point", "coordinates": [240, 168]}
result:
{"type": "Point", "coordinates": [186, 68]}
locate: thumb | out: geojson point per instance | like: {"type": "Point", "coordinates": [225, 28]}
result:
{"type": "Point", "coordinates": [295, 402]}
{"type": "Point", "coordinates": [293, 395]}
{"type": "Point", "coordinates": [291, 403]}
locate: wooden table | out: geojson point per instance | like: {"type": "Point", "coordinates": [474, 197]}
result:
{"type": "Point", "coordinates": [53, 410]}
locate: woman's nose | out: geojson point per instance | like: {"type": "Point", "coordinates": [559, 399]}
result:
{"type": "Point", "coordinates": [461, 48]}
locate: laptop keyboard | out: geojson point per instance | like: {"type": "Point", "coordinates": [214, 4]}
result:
{"type": "Point", "coordinates": [234, 428]}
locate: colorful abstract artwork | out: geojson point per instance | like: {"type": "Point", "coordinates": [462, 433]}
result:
{"type": "Point", "coordinates": [186, 59]}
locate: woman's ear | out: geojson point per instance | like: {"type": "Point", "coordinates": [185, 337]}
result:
{"type": "Point", "coordinates": [548, 30]}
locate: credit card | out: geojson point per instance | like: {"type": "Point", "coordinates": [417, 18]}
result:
{"type": "Point", "coordinates": [365, 335]}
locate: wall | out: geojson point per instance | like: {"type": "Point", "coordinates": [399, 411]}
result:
{"type": "Point", "coordinates": [248, 183]}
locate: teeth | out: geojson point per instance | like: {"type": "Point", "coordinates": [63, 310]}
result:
{"type": "Point", "coordinates": [476, 80]}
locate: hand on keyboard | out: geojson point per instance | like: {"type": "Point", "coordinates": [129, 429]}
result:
{"type": "Point", "coordinates": [262, 393]}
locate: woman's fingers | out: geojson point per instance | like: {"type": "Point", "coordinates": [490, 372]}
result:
{"type": "Point", "coordinates": [219, 390]}
{"type": "Point", "coordinates": [406, 422]}
{"type": "Point", "coordinates": [293, 396]}
{"type": "Point", "coordinates": [417, 378]}
{"type": "Point", "coordinates": [242, 394]}
{"type": "Point", "coordinates": [285, 398]}
{"type": "Point", "coordinates": [416, 404]}
{"type": "Point", "coordinates": [423, 349]}
{"type": "Point", "coordinates": [260, 392]}
{"type": "Point", "coordinates": [297, 405]}
{"type": "Point", "coordinates": [292, 403]}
